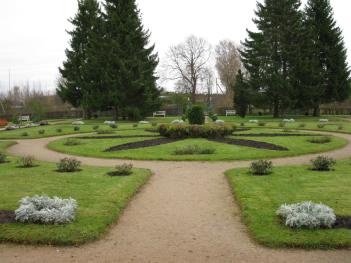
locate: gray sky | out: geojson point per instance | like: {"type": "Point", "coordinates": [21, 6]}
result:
{"type": "Point", "coordinates": [33, 37]}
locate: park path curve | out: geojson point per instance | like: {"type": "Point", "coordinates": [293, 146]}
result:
{"type": "Point", "coordinates": [185, 213]}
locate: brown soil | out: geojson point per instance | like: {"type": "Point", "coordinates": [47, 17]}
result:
{"type": "Point", "coordinates": [343, 222]}
{"type": "Point", "coordinates": [274, 135]}
{"type": "Point", "coordinates": [250, 143]}
{"type": "Point", "coordinates": [186, 213]}
{"type": "Point", "coordinates": [7, 217]}
{"type": "Point", "coordinates": [116, 137]}
{"type": "Point", "coordinates": [142, 144]}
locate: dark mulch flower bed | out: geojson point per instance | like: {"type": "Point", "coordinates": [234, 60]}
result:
{"type": "Point", "coordinates": [116, 137]}
{"type": "Point", "coordinates": [250, 143]}
{"type": "Point", "coordinates": [7, 217]}
{"type": "Point", "coordinates": [275, 135]}
{"type": "Point", "coordinates": [343, 222]}
{"type": "Point", "coordinates": [142, 144]}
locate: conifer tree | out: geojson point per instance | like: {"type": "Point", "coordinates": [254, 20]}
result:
{"type": "Point", "coordinates": [130, 62]}
{"type": "Point", "coordinates": [241, 95]}
{"type": "Point", "coordinates": [76, 84]}
{"type": "Point", "coordinates": [270, 54]}
{"type": "Point", "coordinates": [327, 56]}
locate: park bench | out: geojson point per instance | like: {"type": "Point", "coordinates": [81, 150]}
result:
{"type": "Point", "coordinates": [159, 113]}
{"type": "Point", "coordinates": [230, 113]}
{"type": "Point", "coordinates": [24, 118]}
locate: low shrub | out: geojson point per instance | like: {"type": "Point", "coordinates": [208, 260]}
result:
{"type": "Point", "coordinates": [323, 163]}
{"type": "Point", "coordinates": [27, 161]}
{"type": "Point", "coordinates": [135, 125]}
{"type": "Point", "coordinates": [96, 127]}
{"type": "Point", "coordinates": [46, 210]}
{"type": "Point", "coordinates": [287, 130]}
{"type": "Point", "coordinates": [282, 124]}
{"type": "Point", "coordinates": [242, 124]}
{"type": "Point", "coordinates": [122, 170]}
{"type": "Point", "coordinates": [24, 134]}
{"type": "Point", "coordinates": [3, 158]}
{"type": "Point", "coordinates": [320, 140]}
{"type": "Point", "coordinates": [194, 149]}
{"type": "Point", "coordinates": [194, 131]}
{"type": "Point", "coordinates": [76, 128]}
{"type": "Point", "coordinates": [261, 167]}
{"type": "Point", "coordinates": [41, 132]}
{"type": "Point", "coordinates": [214, 117]}
{"type": "Point", "coordinates": [340, 127]}
{"type": "Point", "coordinates": [104, 132]}
{"type": "Point", "coordinates": [113, 126]}
{"type": "Point", "coordinates": [68, 165]}
{"type": "Point", "coordinates": [302, 125]}
{"type": "Point", "coordinates": [59, 130]}
{"type": "Point", "coordinates": [72, 142]}
{"type": "Point", "coordinates": [261, 123]}
{"type": "Point", "coordinates": [307, 215]}
{"type": "Point", "coordinates": [320, 126]}
{"type": "Point", "coordinates": [196, 115]}
{"type": "Point", "coordinates": [153, 124]}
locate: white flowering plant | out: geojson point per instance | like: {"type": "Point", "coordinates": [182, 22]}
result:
{"type": "Point", "coordinates": [46, 210]}
{"type": "Point", "coordinates": [307, 215]}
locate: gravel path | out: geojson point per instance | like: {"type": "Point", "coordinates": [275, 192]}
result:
{"type": "Point", "coordinates": [186, 213]}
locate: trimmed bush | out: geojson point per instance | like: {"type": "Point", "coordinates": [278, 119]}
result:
{"type": "Point", "coordinates": [307, 215]}
{"type": "Point", "coordinates": [68, 165]}
{"type": "Point", "coordinates": [261, 123]}
{"type": "Point", "coordinates": [282, 124]}
{"type": "Point", "coordinates": [302, 125]}
{"type": "Point", "coordinates": [194, 131]}
{"type": "Point", "coordinates": [323, 163]}
{"type": "Point", "coordinates": [194, 149]}
{"type": "Point", "coordinates": [41, 132]}
{"type": "Point", "coordinates": [153, 124]}
{"type": "Point", "coordinates": [76, 128]}
{"type": "Point", "coordinates": [214, 117]}
{"type": "Point", "coordinates": [59, 130]}
{"type": "Point", "coordinates": [27, 161]}
{"type": "Point", "coordinates": [72, 142]}
{"type": "Point", "coordinates": [104, 132]}
{"type": "Point", "coordinates": [261, 167]}
{"type": "Point", "coordinates": [320, 140]}
{"type": "Point", "coordinates": [242, 124]}
{"type": "Point", "coordinates": [113, 126]}
{"type": "Point", "coordinates": [122, 170]}
{"type": "Point", "coordinates": [24, 134]}
{"type": "Point", "coordinates": [135, 125]}
{"type": "Point", "coordinates": [320, 126]}
{"type": "Point", "coordinates": [3, 158]}
{"type": "Point", "coordinates": [96, 127]}
{"type": "Point", "coordinates": [340, 127]}
{"type": "Point", "coordinates": [46, 210]}
{"type": "Point", "coordinates": [196, 115]}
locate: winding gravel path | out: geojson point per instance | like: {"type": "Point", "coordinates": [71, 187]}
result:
{"type": "Point", "coordinates": [185, 213]}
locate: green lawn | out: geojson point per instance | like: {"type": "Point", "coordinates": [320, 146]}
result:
{"type": "Point", "coordinates": [260, 197]}
{"type": "Point", "coordinates": [96, 147]}
{"type": "Point", "coordinates": [101, 200]}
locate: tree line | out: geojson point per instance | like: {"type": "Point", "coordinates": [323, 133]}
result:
{"type": "Point", "coordinates": [295, 60]}
{"type": "Point", "coordinates": [110, 63]}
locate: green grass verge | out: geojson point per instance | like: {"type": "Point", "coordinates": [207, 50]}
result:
{"type": "Point", "coordinates": [260, 197]}
{"type": "Point", "coordinates": [296, 145]}
{"type": "Point", "coordinates": [101, 200]}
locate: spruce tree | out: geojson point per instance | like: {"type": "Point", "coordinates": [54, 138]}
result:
{"type": "Point", "coordinates": [270, 54]}
{"type": "Point", "coordinates": [241, 95]}
{"type": "Point", "coordinates": [131, 62]}
{"type": "Point", "coordinates": [76, 84]}
{"type": "Point", "coordinates": [327, 56]}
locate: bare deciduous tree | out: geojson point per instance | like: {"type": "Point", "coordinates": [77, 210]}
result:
{"type": "Point", "coordinates": [228, 63]}
{"type": "Point", "coordinates": [188, 61]}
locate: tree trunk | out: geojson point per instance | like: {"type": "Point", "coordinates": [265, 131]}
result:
{"type": "Point", "coordinates": [316, 111]}
{"type": "Point", "coordinates": [116, 114]}
{"type": "Point", "coordinates": [193, 97]}
{"type": "Point", "coordinates": [276, 109]}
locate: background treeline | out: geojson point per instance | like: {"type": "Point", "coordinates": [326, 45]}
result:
{"type": "Point", "coordinates": [295, 61]}
{"type": "Point", "coordinates": [110, 63]}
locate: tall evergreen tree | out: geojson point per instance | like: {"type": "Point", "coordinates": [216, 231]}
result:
{"type": "Point", "coordinates": [131, 62]}
{"type": "Point", "coordinates": [241, 95]}
{"type": "Point", "coordinates": [270, 54]}
{"type": "Point", "coordinates": [327, 56]}
{"type": "Point", "coordinates": [76, 83]}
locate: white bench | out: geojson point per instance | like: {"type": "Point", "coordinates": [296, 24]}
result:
{"type": "Point", "coordinates": [159, 113]}
{"type": "Point", "coordinates": [24, 118]}
{"type": "Point", "coordinates": [230, 113]}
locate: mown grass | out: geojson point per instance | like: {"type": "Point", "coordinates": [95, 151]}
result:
{"type": "Point", "coordinates": [260, 197]}
{"type": "Point", "coordinates": [101, 200]}
{"type": "Point", "coordinates": [96, 148]}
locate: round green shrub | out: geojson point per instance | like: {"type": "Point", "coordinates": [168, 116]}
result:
{"type": "Point", "coordinates": [196, 115]}
{"type": "Point", "coordinates": [261, 167]}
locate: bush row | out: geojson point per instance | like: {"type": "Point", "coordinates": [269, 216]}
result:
{"type": "Point", "coordinates": [194, 131]}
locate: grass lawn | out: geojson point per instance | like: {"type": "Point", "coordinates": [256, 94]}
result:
{"type": "Point", "coordinates": [260, 197]}
{"type": "Point", "coordinates": [100, 198]}
{"type": "Point", "coordinates": [96, 147]}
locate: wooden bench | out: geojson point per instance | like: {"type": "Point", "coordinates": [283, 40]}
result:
{"type": "Point", "coordinates": [24, 118]}
{"type": "Point", "coordinates": [159, 113]}
{"type": "Point", "coordinates": [230, 113]}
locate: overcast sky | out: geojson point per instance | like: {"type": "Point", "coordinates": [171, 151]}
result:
{"type": "Point", "coordinates": [33, 37]}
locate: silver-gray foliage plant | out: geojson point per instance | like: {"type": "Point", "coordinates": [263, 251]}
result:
{"type": "Point", "coordinates": [307, 215]}
{"type": "Point", "coordinates": [46, 210]}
